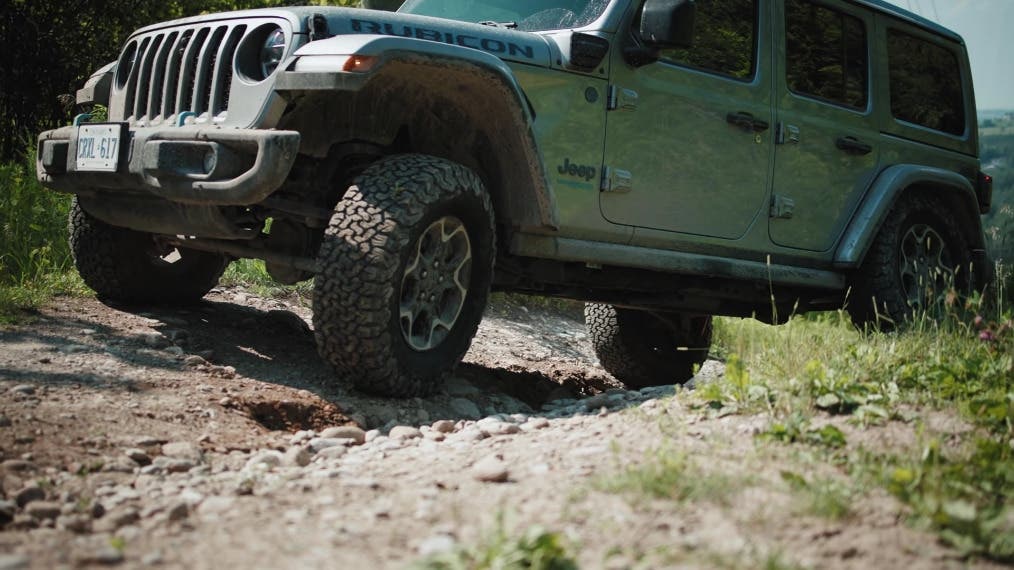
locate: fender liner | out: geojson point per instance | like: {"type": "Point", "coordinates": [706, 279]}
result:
{"type": "Point", "coordinates": [414, 80]}
{"type": "Point", "coordinates": [891, 183]}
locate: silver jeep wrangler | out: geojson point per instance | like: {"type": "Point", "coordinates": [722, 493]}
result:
{"type": "Point", "coordinates": [663, 160]}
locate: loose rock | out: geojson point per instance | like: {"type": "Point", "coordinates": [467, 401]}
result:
{"type": "Point", "coordinates": [42, 510]}
{"type": "Point", "coordinates": [17, 465]}
{"type": "Point", "coordinates": [443, 426]}
{"type": "Point", "coordinates": [183, 450]}
{"type": "Point", "coordinates": [105, 556]}
{"type": "Point", "coordinates": [75, 523]}
{"type": "Point", "coordinates": [139, 456]}
{"type": "Point", "coordinates": [491, 470]}
{"type": "Point", "coordinates": [535, 424]}
{"type": "Point", "coordinates": [345, 432]}
{"type": "Point", "coordinates": [332, 452]}
{"type": "Point", "coordinates": [319, 444]}
{"type": "Point", "coordinates": [264, 460]}
{"type": "Point", "coordinates": [404, 432]}
{"type": "Point", "coordinates": [29, 494]}
{"type": "Point", "coordinates": [296, 456]}
{"type": "Point", "coordinates": [172, 465]}
{"type": "Point", "coordinates": [7, 510]}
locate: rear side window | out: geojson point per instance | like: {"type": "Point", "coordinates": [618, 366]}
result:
{"type": "Point", "coordinates": [925, 83]}
{"type": "Point", "coordinates": [826, 55]}
{"type": "Point", "coordinates": [725, 39]}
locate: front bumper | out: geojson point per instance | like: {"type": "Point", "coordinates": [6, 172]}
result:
{"type": "Point", "coordinates": [188, 165]}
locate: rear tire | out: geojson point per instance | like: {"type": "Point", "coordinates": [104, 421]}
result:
{"type": "Point", "coordinates": [642, 348]}
{"type": "Point", "coordinates": [405, 271]}
{"type": "Point", "coordinates": [129, 266]}
{"type": "Point", "coordinates": [918, 257]}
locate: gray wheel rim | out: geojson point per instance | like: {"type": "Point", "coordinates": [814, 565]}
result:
{"type": "Point", "coordinates": [926, 272]}
{"type": "Point", "coordinates": [435, 284]}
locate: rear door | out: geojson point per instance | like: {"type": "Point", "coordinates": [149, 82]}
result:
{"type": "Point", "coordinates": [827, 148]}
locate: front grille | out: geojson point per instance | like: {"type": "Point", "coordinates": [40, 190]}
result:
{"type": "Point", "coordinates": [180, 71]}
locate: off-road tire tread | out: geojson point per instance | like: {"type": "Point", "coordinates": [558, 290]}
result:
{"type": "Point", "coordinates": [621, 350]}
{"type": "Point", "coordinates": [359, 264]}
{"type": "Point", "coordinates": [111, 261]}
{"type": "Point", "coordinates": [877, 278]}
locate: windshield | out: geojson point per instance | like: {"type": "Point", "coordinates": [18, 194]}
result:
{"type": "Point", "coordinates": [527, 15]}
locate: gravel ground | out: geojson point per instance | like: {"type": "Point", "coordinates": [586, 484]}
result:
{"type": "Point", "coordinates": [212, 437]}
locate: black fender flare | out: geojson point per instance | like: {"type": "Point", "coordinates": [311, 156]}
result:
{"type": "Point", "coordinates": [518, 181]}
{"type": "Point", "coordinates": [884, 193]}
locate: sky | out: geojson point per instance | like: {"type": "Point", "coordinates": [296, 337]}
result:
{"type": "Point", "coordinates": [988, 29]}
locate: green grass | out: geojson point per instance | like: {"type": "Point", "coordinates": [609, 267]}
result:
{"type": "Point", "coordinates": [823, 497]}
{"type": "Point", "coordinates": [957, 485]}
{"type": "Point", "coordinates": [670, 474]}
{"type": "Point", "coordinates": [250, 273]}
{"type": "Point", "coordinates": [534, 549]}
{"type": "Point", "coordinates": [35, 261]}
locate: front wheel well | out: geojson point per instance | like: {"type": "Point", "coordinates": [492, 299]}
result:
{"type": "Point", "coordinates": [455, 110]}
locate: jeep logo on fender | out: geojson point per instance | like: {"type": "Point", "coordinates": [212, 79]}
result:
{"type": "Point", "coordinates": [485, 44]}
{"type": "Point", "coordinates": [570, 169]}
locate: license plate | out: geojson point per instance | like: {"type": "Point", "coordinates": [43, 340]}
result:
{"type": "Point", "coordinates": [98, 147]}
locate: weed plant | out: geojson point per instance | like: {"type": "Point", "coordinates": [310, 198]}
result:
{"type": "Point", "coordinates": [534, 549]}
{"type": "Point", "coordinates": [34, 256]}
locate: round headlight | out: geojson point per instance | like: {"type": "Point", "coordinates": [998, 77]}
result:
{"type": "Point", "coordinates": [272, 52]}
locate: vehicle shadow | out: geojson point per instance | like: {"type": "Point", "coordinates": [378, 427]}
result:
{"type": "Point", "coordinates": [277, 347]}
{"type": "Point", "coordinates": [237, 342]}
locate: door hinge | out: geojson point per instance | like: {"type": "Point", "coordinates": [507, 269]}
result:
{"type": "Point", "coordinates": [782, 207]}
{"type": "Point", "coordinates": [786, 134]}
{"type": "Point", "coordinates": [616, 180]}
{"type": "Point", "coordinates": [621, 99]}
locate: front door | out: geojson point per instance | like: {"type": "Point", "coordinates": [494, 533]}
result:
{"type": "Point", "coordinates": [689, 143]}
{"type": "Point", "coordinates": [827, 152]}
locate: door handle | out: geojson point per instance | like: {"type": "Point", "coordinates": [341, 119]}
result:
{"type": "Point", "coordinates": [852, 145]}
{"type": "Point", "coordinates": [747, 122]}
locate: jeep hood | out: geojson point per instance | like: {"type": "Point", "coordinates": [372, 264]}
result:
{"type": "Point", "coordinates": [509, 45]}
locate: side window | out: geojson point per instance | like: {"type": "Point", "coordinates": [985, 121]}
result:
{"type": "Point", "coordinates": [826, 54]}
{"type": "Point", "coordinates": [725, 39]}
{"type": "Point", "coordinates": [925, 83]}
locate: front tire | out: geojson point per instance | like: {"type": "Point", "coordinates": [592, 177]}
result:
{"type": "Point", "coordinates": [405, 271]}
{"type": "Point", "coordinates": [918, 257]}
{"type": "Point", "coordinates": [642, 348]}
{"type": "Point", "coordinates": [128, 266]}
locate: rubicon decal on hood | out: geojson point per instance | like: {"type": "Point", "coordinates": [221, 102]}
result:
{"type": "Point", "coordinates": [490, 45]}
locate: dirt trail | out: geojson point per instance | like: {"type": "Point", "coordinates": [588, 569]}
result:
{"type": "Point", "coordinates": [211, 437]}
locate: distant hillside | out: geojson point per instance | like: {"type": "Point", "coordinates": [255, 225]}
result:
{"type": "Point", "coordinates": [993, 114]}
{"type": "Point", "coordinates": [996, 148]}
